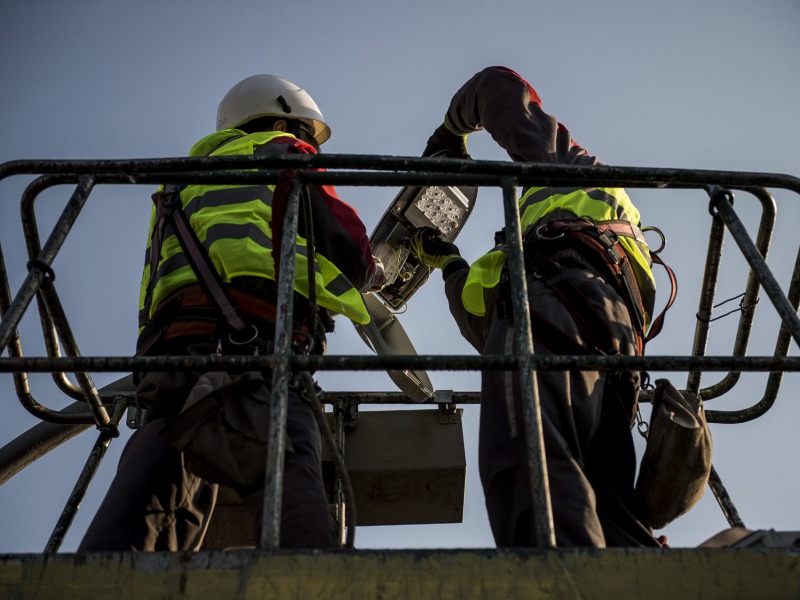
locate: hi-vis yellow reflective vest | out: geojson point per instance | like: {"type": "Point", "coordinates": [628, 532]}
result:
{"type": "Point", "coordinates": [233, 224]}
{"type": "Point", "coordinates": [598, 204]}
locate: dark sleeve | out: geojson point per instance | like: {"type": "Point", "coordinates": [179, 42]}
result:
{"type": "Point", "coordinates": [341, 237]}
{"type": "Point", "coordinates": [500, 101]}
{"type": "Point", "coordinates": [472, 328]}
{"type": "Point", "coordinates": [339, 234]}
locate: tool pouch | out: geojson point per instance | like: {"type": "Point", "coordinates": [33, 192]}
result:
{"type": "Point", "coordinates": [677, 461]}
{"type": "Point", "coordinates": [223, 428]}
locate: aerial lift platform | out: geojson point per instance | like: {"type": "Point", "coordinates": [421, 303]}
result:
{"type": "Point", "coordinates": [389, 484]}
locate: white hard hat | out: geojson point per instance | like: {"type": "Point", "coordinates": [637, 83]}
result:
{"type": "Point", "coordinates": [270, 96]}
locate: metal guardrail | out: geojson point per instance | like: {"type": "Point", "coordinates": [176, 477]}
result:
{"type": "Point", "coordinates": [357, 170]}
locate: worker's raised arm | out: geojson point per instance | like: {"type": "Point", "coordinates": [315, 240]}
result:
{"type": "Point", "coordinates": [498, 100]}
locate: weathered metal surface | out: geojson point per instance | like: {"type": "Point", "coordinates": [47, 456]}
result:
{"type": "Point", "coordinates": [542, 527]}
{"type": "Point", "coordinates": [543, 174]}
{"type": "Point", "coordinates": [96, 456]}
{"type": "Point", "coordinates": [708, 291]}
{"type": "Point", "coordinates": [749, 300]}
{"type": "Point", "coordinates": [732, 574]}
{"type": "Point", "coordinates": [34, 247]}
{"type": "Point", "coordinates": [234, 364]}
{"type": "Point", "coordinates": [390, 171]}
{"type": "Point", "coordinates": [281, 373]}
{"type": "Point", "coordinates": [350, 398]}
{"type": "Point", "coordinates": [722, 497]}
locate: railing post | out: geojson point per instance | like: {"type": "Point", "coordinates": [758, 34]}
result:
{"type": "Point", "coordinates": [281, 373]}
{"type": "Point", "coordinates": [543, 529]}
{"type": "Point", "coordinates": [724, 500]}
{"type": "Point", "coordinates": [85, 478]}
{"type": "Point", "coordinates": [716, 239]}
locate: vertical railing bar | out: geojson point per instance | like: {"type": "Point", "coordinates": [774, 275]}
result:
{"type": "Point", "coordinates": [542, 525]}
{"type": "Point", "coordinates": [32, 241]}
{"type": "Point", "coordinates": [273, 488]}
{"type": "Point", "coordinates": [338, 419]}
{"type": "Point", "coordinates": [53, 349]}
{"type": "Point", "coordinates": [51, 314]}
{"type": "Point", "coordinates": [708, 292]}
{"type": "Point", "coordinates": [15, 347]}
{"type": "Point", "coordinates": [750, 299]}
{"type": "Point", "coordinates": [5, 289]}
{"type": "Point", "coordinates": [36, 275]}
{"type": "Point", "coordinates": [719, 202]}
{"type": "Point", "coordinates": [757, 263]}
{"type": "Point", "coordinates": [96, 456]}
{"type": "Point", "coordinates": [59, 319]}
{"type": "Point", "coordinates": [724, 500]}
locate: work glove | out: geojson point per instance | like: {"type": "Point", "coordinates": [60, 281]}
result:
{"type": "Point", "coordinates": [430, 250]}
{"type": "Point", "coordinates": [454, 145]}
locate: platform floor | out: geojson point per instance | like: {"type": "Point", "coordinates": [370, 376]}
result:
{"type": "Point", "coordinates": [683, 574]}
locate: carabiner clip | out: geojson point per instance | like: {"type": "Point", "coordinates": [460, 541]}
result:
{"type": "Point", "coordinates": [641, 424]}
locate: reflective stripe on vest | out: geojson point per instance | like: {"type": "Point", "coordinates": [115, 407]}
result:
{"type": "Point", "coordinates": [233, 224]}
{"type": "Point", "coordinates": [598, 204]}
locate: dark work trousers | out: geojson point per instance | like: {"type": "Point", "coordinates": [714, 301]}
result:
{"type": "Point", "coordinates": [586, 415]}
{"type": "Point", "coordinates": [154, 503]}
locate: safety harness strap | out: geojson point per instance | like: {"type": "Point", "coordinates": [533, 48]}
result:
{"type": "Point", "coordinates": [601, 250]}
{"type": "Point", "coordinates": [169, 208]}
{"type": "Point", "coordinates": [600, 239]}
{"type": "Point", "coordinates": [197, 257]}
{"type": "Point", "coordinates": [658, 322]}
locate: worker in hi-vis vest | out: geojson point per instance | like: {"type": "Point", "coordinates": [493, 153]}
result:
{"type": "Point", "coordinates": [166, 486]}
{"type": "Point", "coordinates": [578, 306]}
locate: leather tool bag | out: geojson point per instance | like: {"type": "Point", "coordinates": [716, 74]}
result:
{"type": "Point", "coordinates": [677, 461]}
{"type": "Point", "coordinates": [223, 428]}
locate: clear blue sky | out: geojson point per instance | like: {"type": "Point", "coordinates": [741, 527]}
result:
{"type": "Point", "coordinates": [697, 84]}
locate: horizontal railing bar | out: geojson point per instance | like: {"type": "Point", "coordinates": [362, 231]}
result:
{"type": "Point", "coordinates": [374, 179]}
{"type": "Point", "coordinates": [544, 174]}
{"type": "Point", "coordinates": [98, 364]}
